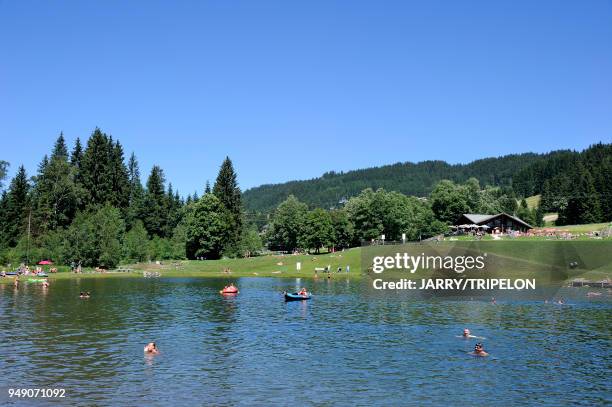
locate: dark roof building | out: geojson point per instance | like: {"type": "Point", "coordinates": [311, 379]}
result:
{"type": "Point", "coordinates": [501, 222]}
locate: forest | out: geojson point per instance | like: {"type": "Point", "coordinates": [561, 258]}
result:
{"type": "Point", "coordinates": [88, 205]}
{"type": "Point", "coordinates": [527, 174]}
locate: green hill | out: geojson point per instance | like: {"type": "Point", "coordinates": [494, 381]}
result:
{"type": "Point", "coordinates": [551, 175]}
{"type": "Point", "coordinates": [409, 178]}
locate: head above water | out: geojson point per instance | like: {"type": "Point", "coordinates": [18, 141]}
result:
{"type": "Point", "coordinates": [466, 332]}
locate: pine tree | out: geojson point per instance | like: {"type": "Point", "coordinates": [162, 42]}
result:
{"type": "Point", "coordinates": [227, 191]}
{"type": "Point", "coordinates": [54, 197]}
{"type": "Point", "coordinates": [120, 197]}
{"type": "Point", "coordinates": [60, 150]}
{"type": "Point", "coordinates": [96, 169]}
{"type": "Point", "coordinates": [583, 204]}
{"type": "Point", "coordinates": [207, 187]}
{"type": "Point", "coordinates": [76, 160]}
{"type": "Point", "coordinates": [136, 193]}
{"type": "Point", "coordinates": [17, 208]}
{"type": "Point", "coordinates": [155, 217]}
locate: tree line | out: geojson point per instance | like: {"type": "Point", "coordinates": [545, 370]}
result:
{"type": "Point", "coordinates": [88, 205]}
{"type": "Point", "coordinates": [576, 185]}
{"type": "Point", "coordinates": [525, 173]}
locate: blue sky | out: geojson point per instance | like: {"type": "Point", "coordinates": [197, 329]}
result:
{"type": "Point", "coordinates": [290, 90]}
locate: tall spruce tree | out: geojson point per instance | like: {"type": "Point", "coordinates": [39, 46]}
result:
{"type": "Point", "coordinates": [136, 193]}
{"type": "Point", "coordinates": [155, 203]}
{"type": "Point", "coordinates": [227, 191]}
{"type": "Point", "coordinates": [76, 160]}
{"type": "Point", "coordinates": [16, 209]}
{"type": "Point", "coordinates": [120, 197]}
{"type": "Point", "coordinates": [60, 150]}
{"type": "Point", "coordinates": [55, 196]}
{"type": "Point", "coordinates": [583, 204]}
{"type": "Point", "coordinates": [96, 169]}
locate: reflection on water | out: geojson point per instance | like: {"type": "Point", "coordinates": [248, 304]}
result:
{"type": "Point", "coordinates": [342, 347]}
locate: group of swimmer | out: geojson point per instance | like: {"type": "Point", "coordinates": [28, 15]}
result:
{"type": "Point", "coordinates": [478, 348]}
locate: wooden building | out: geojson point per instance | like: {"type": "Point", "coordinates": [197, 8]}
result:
{"type": "Point", "coordinates": [500, 223]}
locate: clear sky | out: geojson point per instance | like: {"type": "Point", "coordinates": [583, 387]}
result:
{"type": "Point", "coordinates": [290, 89]}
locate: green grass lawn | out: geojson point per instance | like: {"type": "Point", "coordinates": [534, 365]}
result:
{"type": "Point", "coordinates": [522, 257]}
{"type": "Point", "coordinates": [261, 266]}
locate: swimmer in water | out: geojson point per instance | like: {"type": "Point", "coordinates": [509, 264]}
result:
{"type": "Point", "coordinates": [84, 294]}
{"type": "Point", "coordinates": [45, 283]}
{"type": "Point", "coordinates": [151, 348]}
{"type": "Point", "coordinates": [479, 350]}
{"type": "Point", "coordinates": [468, 335]}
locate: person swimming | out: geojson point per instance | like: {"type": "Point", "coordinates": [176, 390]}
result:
{"type": "Point", "coordinates": [151, 348]}
{"type": "Point", "coordinates": [45, 283]}
{"type": "Point", "coordinates": [479, 350]}
{"type": "Point", "coordinates": [84, 294]}
{"type": "Point", "coordinates": [468, 335]}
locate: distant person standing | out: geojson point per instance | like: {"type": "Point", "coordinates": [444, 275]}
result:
{"type": "Point", "coordinates": [348, 268]}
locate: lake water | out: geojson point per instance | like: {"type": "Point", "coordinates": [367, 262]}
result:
{"type": "Point", "coordinates": [344, 347]}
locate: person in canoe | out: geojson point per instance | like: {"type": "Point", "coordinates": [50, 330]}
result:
{"type": "Point", "coordinates": [303, 292]}
{"type": "Point", "coordinates": [151, 348]}
{"type": "Point", "coordinates": [479, 350]}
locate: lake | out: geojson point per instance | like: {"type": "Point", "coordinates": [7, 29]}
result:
{"type": "Point", "coordinates": [347, 346]}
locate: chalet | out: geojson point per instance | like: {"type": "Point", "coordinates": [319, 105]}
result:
{"type": "Point", "coordinates": [500, 223]}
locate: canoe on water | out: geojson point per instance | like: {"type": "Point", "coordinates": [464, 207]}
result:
{"type": "Point", "coordinates": [296, 297]}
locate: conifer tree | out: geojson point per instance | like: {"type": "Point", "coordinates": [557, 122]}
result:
{"type": "Point", "coordinates": [55, 197]}
{"type": "Point", "coordinates": [155, 204]}
{"type": "Point", "coordinates": [96, 169]}
{"type": "Point", "coordinates": [120, 196]}
{"type": "Point", "coordinates": [76, 160]}
{"type": "Point", "coordinates": [136, 193]}
{"type": "Point", "coordinates": [583, 204]}
{"type": "Point", "coordinates": [60, 150]}
{"type": "Point", "coordinates": [227, 191]}
{"type": "Point", "coordinates": [17, 208]}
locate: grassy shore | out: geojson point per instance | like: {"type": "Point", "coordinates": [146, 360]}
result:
{"type": "Point", "coordinates": [282, 266]}
{"type": "Point", "coordinates": [516, 258]}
